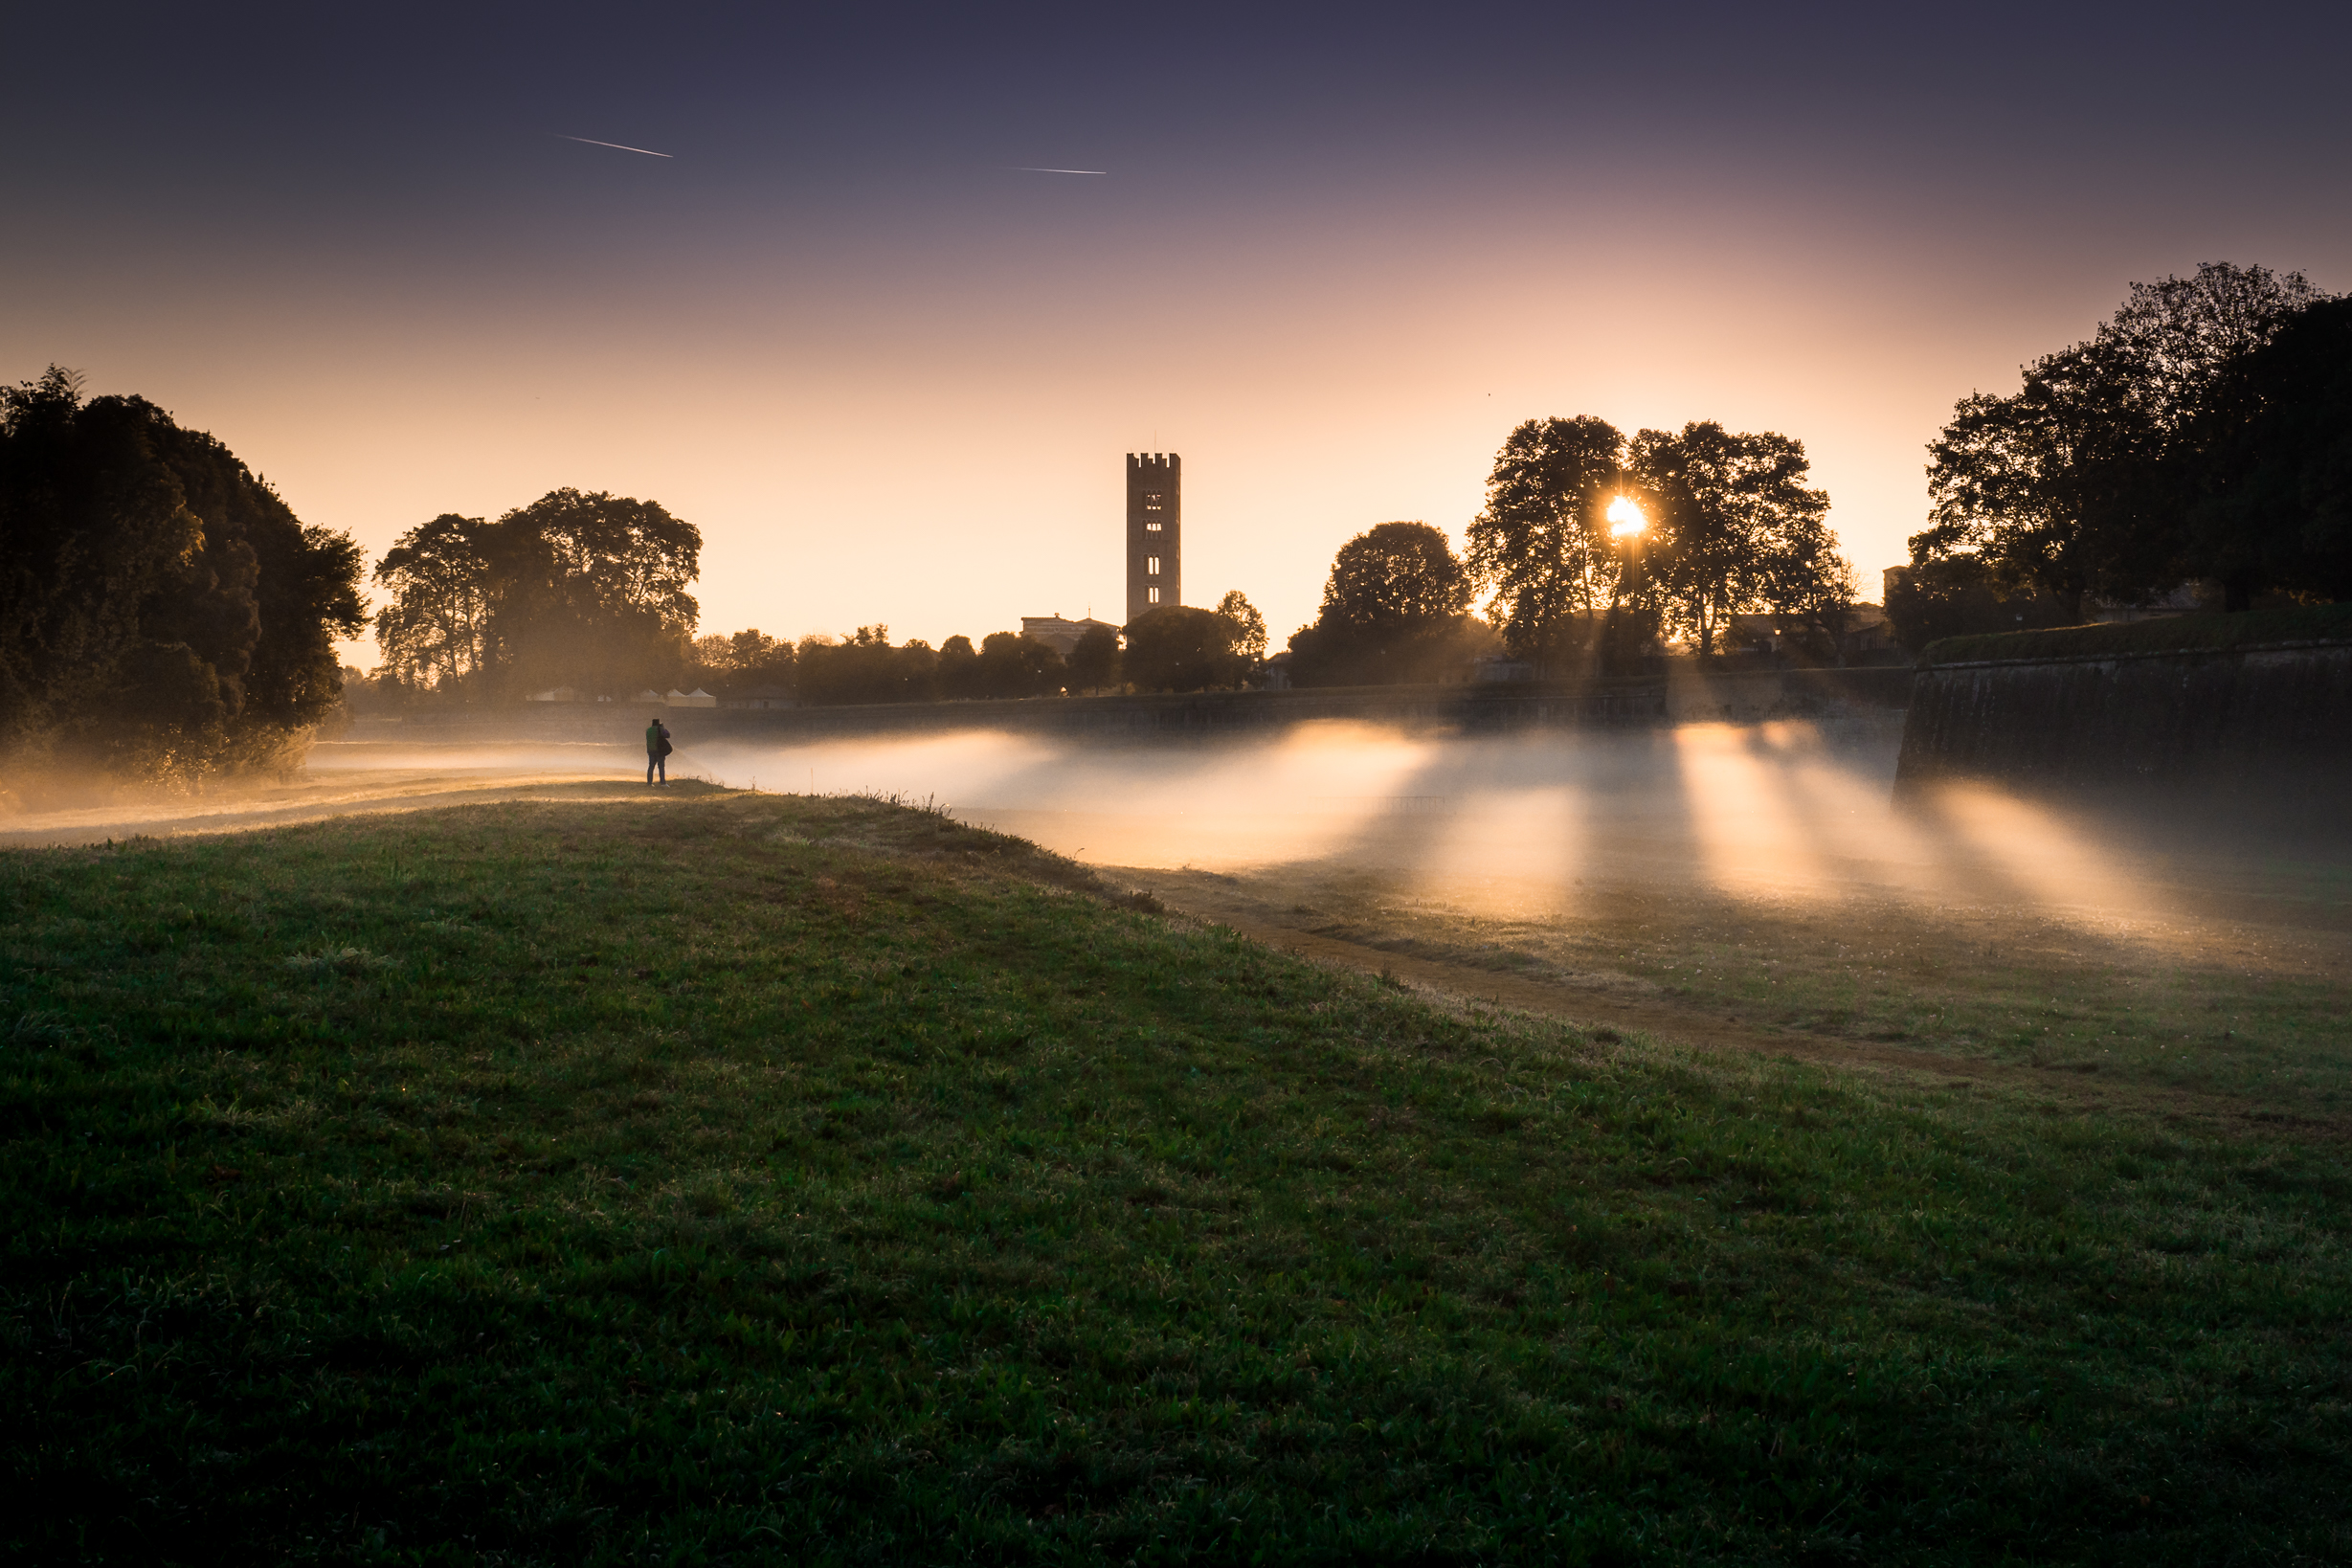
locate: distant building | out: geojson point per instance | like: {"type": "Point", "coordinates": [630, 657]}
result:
{"type": "Point", "coordinates": [1059, 635]}
{"type": "Point", "coordinates": [1155, 531]}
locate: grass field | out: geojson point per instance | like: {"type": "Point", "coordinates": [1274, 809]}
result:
{"type": "Point", "coordinates": [729, 1177]}
{"type": "Point", "coordinates": [2237, 992]}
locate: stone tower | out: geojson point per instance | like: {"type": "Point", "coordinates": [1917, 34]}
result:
{"type": "Point", "coordinates": [1155, 531]}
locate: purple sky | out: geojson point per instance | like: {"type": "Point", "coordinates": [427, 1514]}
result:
{"type": "Point", "coordinates": [1337, 254]}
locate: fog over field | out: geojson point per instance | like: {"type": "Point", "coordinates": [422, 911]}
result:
{"type": "Point", "coordinates": [1526, 825]}
{"type": "Point", "coordinates": [1778, 811]}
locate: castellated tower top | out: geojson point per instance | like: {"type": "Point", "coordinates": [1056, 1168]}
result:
{"type": "Point", "coordinates": [1155, 531]}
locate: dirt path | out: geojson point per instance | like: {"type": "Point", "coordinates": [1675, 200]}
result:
{"type": "Point", "coordinates": [1591, 1008]}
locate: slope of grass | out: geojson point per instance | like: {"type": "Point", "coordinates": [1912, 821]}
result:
{"type": "Point", "coordinates": [742, 1179]}
{"type": "Point", "coordinates": [2167, 634]}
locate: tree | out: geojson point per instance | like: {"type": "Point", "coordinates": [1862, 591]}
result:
{"type": "Point", "coordinates": [1013, 665]}
{"type": "Point", "coordinates": [2181, 336]}
{"type": "Point", "coordinates": [1248, 626]}
{"type": "Point", "coordinates": [959, 670]}
{"type": "Point", "coordinates": [1395, 575]}
{"type": "Point", "coordinates": [865, 668]}
{"type": "Point", "coordinates": [745, 660]}
{"type": "Point", "coordinates": [1542, 545]}
{"type": "Point", "coordinates": [1179, 648]}
{"type": "Point", "coordinates": [2055, 488]}
{"type": "Point", "coordinates": [433, 632]}
{"type": "Point", "coordinates": [2270, 469]}
{"type": "Point", "coordinates": [583, 590]}
{"type": "Point", "coordinates": [2080, 485]}
{"type": "Point", "coordinates": [163, 611]}
{"type": "Point", "coordinates": [1734, 529]}
{"type": "Point", "coordinates": [1394, 609]}
{"type": "Point", "coordinates": [1094, 662]}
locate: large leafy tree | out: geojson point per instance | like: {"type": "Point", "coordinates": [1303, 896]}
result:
{"type": "Point", "coordinates": [2080, 484]}
{"type": "Point", "coordinates": [1394, 609]}
{"type": "Point", "coordinates": [161, 610]}
{"type": "Point", "coordinates": [1248, 625]}
{"type": "Point", "coordinates": [1735, 530]}
{"type": "Point", "coordinates": [2271, 470]}
{"type": "Point", "coordinates": [433, 632]}
{"type": "Point", "coordinates": [1178, 647]}
{"type": "Point", "coordinates": [576, 589]}
{"type": "Point", "coordinates": [2181, 336]}
{"type": "Point", "coordinates": [1542, 544]}
{"type": "Point", "coordinates": [2056, 487]}
{"type": "Point", "coordinates": [1094, 664]}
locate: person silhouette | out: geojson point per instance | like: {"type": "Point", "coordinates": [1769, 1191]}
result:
{"type": "Point", "coordinates": [657, 752]}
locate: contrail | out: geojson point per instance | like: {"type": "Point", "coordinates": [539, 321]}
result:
{"type": "Point", "coordinates": [1020, 169]}
{"type": "Point", "coordinates": [647, 151]}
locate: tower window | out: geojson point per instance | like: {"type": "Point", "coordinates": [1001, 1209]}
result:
{"type": "Point", "coordinates": [1151, 527]}
{"type": "Point", "coordinates": [1154, 592]}
{"type": "Point", "coordinates": [1151, 501]}
{"type": "Point", "coordinates": [1150, 566]}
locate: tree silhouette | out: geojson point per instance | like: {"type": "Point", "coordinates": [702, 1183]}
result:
{"type": "Point", "coordinates": [161, 610]}
{"type": "Point", "coordinates": [2271, 473]}
{"type": "Point", "coordinates": [584, 590]}
{"type": "Point", "coordinates": [1542, 544]}
{"type": "Point", "coordinates": [2082, 483]}
{"type": "Point", "coordinates": [1248, 626]}
{"type": "Point", "coordinates": [1734, 529]}
{"type": "Point", "coordinates": [1094, 662]}
{"type": "Point", "coordinates": [1393, 611]}
{"type": "Point", "coordinates": [1178, 647]}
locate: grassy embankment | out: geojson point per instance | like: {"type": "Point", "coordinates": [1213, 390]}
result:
{"type": "Point", "coordinates": [2166, 634]}
{"type": "Point", "coordinates": [721, 1178]}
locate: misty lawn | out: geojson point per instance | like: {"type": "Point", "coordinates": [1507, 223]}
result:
{"type": "Point", "coordinates": [730, 1177]}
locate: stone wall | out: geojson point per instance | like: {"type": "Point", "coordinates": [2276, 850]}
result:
{"type": "Point", "coordinates": [2262, 728]}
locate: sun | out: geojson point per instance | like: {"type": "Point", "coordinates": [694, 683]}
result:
{"type": "Point", "coordinates": [1625, 518]}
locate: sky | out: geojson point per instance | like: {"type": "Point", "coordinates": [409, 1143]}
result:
{"type": "Point", "coordinates": [1335, 254]}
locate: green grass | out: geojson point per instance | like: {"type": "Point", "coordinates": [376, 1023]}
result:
{"type": "Point", "coordinates": [744, 1178]}
{"type": "Point", "coordinates": [2254, 1009]}
{"type": "Point", "coordinates": [2167, 634]}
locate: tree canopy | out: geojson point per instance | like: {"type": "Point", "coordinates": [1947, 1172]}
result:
{"type": "Point", "coordinates": [1395, 610]}
{"type": "Point", "coordinates": [1249, 626]}
{"type": "Point", "coordinates": [1005, 664]}
{"type": "Point", "coordinates": [866, 667]}
{"type": "Point", "coordinates": [580, 590]}
{"type": "Point", "coordinates": [163, 611]}
{"type": "Point", "coordinates": [1734, 530]}
{"type": "Point", "coordinates": [1731, 527]}
{"type": "Point", "coordinates": [743, 661]}
{"type": "Point", "coordinates": [2107, 474]}
{"type": "Point", "coordinates": [2270, 488]}
{"type": "Point", "coordinates": [1094, 664]}
{"type": "Point", "coordinates": [1178, 647]}
{"type": "Point", "coordinates": [1542, 546]}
